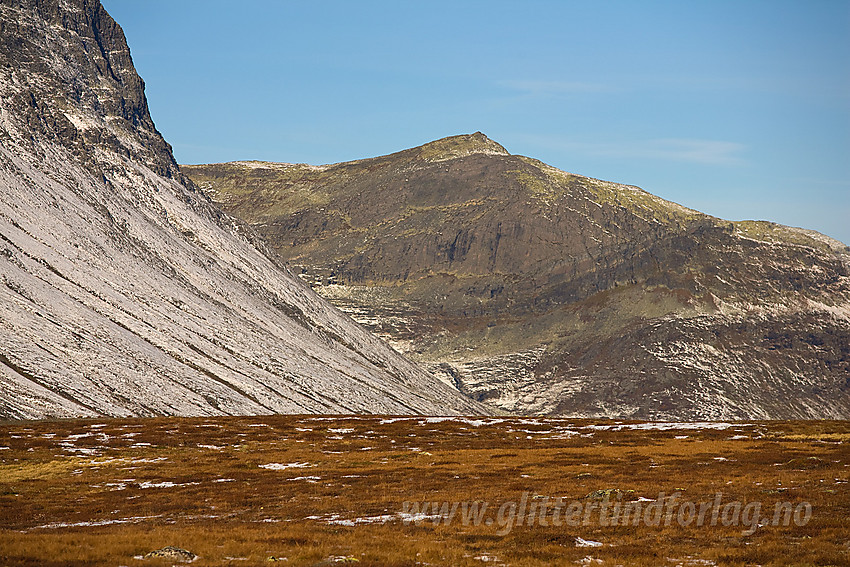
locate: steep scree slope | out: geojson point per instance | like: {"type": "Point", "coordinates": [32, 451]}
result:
{"type": "Point", "coordinates": [123, 291]}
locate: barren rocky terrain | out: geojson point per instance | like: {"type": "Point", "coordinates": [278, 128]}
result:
{"type": "Point", "coordinates": [123, 290]}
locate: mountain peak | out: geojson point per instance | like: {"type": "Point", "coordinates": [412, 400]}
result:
{"type": "Point", "coordinates": [460, 146]}
{"type": "Point", "coordinates": [543, 291]}
{"type": "Point", "coordinates": [56, 96]}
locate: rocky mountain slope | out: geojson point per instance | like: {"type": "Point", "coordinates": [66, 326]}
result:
{"type": "Point", "coordinates": [542, 291]}
{"type": "Point", "coordinates": [123, 291]}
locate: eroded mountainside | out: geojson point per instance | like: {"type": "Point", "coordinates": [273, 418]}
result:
{"type": "Point", "coordinates": [546, 292]}
{"type": "Point", "coordinates": [123, 291]}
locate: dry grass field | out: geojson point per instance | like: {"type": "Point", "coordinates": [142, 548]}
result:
{"type": "Point", "coordinates": [307, 490]}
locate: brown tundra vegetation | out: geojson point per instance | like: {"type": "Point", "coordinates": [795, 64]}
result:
{"type": "Point", "coordinates": [310, 490]}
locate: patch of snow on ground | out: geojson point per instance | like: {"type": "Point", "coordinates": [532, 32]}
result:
{"type": "Point", "coordinates": [440, 419]}
{"type": "Point", "coordinates": [164, 484]}
{"type": "Point", "coordinates": [418, 517]}
{"type": "Point", "coordinates": [57, 525]}
{"type": "Point", "coordinates": [283, 466]}
{"type": "Point", "coordinates": [692, 562]}
{"type": "Point", "coordinates": [437, 419]}
{"type": "Point", "coordinates": [80, 450]}
{"type": "Point", "coordinates": [665, 426]}
{"type": "Point", "coordinates": [338, 520]}
{"type": "Point", "coordinates": [394, 419]}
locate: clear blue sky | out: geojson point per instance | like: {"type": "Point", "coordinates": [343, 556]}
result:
{"type": "Point", "coordinates": [740, 109]}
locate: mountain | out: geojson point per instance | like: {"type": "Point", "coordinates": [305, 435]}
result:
{"type": "Point", "coordinates": [123, 290]}
{"type": "Point", "coordinates": [541, 291]}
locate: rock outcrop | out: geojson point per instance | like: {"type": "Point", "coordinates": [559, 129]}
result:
{"type": "Point", "coordinates": [123, 290]}
{"type": "Point", "coordinates": [546, 292]}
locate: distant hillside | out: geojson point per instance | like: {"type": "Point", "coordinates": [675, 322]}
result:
{"type": "Point", "coordinates": [542, 291]}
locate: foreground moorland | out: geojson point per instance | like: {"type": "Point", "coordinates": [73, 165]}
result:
{"type": "Point", "coordinates": [313, 490]}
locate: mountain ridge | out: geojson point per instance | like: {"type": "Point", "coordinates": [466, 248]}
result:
{"type": "Point", "coordinates": [504, 275]}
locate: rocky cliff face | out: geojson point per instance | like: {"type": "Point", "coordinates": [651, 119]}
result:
{"type": "Point", "coordinates": [547, 292]}
{"type": "Point", "coordinates": [123, 291]}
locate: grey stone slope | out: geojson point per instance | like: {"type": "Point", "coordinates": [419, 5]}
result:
{"type": "Point", "coordinates": [123, 291]}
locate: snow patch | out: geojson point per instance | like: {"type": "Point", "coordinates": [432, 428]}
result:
{"type": "Point", "coordinates": [284, 466]}
{"type": "Point", "coordinates": [581, 542]}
